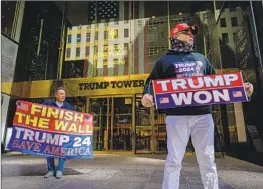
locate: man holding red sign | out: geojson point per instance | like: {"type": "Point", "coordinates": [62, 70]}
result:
{"type": "Point", "coordinates": [59, 103]}
{"type": "Point", "coordinates": [183, 122]}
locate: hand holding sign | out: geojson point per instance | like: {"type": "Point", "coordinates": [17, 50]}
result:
{"type": "Point", "coordinates": [249, 89]}
{"type": "Point", "coordinates": [147, 101]}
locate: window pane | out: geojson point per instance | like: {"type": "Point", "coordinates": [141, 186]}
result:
{"type": "Point", "coordinates": [116, 47]}
{"type": "Point", "coordinates": [78, 38]}
{"type": "Point", "coordinates": [234, 21]}
{"type": "Point", "coordinates": [223, 22]}
{"type": "Point", "coordinates": [116, 33]}
{"type": "Point", "coordinates": [69, 38]}
{"type": "Point", "coordinates": [126, 33]}
{"type": "Point", "coordinates": [106, 34]}
{"type": "Point", "coordinates": [77, 52]}
{"type": "Point", "coordinates": [7, 16]}
{"type": "Point", "coordinates": [68, 53]}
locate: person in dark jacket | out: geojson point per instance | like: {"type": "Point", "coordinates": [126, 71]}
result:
{"type": "Point", "coordinates": [181, 123]}
{"type": "Point", "coordinates": [59, 102]}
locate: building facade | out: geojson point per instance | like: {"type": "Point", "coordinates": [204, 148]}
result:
{"type": "Point", "coordinates": [102, 53]}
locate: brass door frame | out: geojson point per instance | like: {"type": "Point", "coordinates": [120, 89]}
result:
{"type": "Point", "coordinates": [107, 122]}
{"type": "Point", "coordinates": [133, 138]}
{"type": "Point", "coordinates": [153, 131]}
{"type": "Point", "coordinates": [108, 111]}
{"type": "Point", "coordinates": [112, 96]}
{"type": "Point", "coordinates": [112, 113]}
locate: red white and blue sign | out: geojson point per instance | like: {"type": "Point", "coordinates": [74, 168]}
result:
{"type": "Point", "coordinates": [51, 132]}
{"type": "Point", "coordinates": [199, 90]}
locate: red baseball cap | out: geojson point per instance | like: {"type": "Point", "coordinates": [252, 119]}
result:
{"type": "Point", "coordinates": [183, 26]}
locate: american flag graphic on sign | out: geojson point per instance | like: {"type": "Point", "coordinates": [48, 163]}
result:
{"type": "Point", "coordinates": [22, 106]}
{"type": "Point", "coordinates": [237, 93]}
{"type": "Point", "coordinates": [164, 100]}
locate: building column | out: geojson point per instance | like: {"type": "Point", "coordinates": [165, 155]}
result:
{"type": "Point", "coordinates": [18, 20]}
{"type": "Point", "coordinates": [141, 39]}
{"type": "Point", "coordinates": [257, 25]}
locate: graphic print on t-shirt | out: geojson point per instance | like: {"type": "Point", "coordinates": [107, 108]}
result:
{"type": "Point", "coordinates": [188, 69]}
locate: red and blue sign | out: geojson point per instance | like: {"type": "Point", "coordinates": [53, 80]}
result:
{"type": "Point", "coordinates": [199, 90]}
{"type": "Point", "coordinates": [51, 132]}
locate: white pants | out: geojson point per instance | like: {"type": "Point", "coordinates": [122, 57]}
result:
{"type": "Point", "coordinates": [179, 129]}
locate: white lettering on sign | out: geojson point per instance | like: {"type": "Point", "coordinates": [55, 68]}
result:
{"type": "Point", "coordinates": [18, 131]}
{"type": "Point", "coordinates": [217, 81]}
{"type": "Point", "coordinates": [164, 84]}
{"type": "Point", "coordinates": [179, 83]}
{"type": "Point", "coordinates": [207, 96]}
{"type": "Point", "coordinates": [54, 139]}
{"type": "Point", "coordinates": [225, 95]}
{"type": "Point", "coordinates": [63, 139]}
{"type": "Point", "coordinates": [230, 77]}
{"type": "Point", "coordinates": [182, 98]}
{"type": "Point", "coordinates": [199, 82]}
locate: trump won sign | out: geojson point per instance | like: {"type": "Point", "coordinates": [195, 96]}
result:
{"type": "Point", "coordinates": [199, 90]}
{"type": "Point", "coordinates": [52, 132]}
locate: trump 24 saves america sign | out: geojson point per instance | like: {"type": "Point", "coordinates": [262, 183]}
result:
{"type": "Point", "coordinates": [199, 90]}
{"type": "Point", "coordinates": [52, 132]}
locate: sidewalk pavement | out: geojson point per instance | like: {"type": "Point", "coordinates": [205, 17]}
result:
{"type": "Point", "coordinates": [123, 172]}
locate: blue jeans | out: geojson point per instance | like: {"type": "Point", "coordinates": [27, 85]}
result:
{"type": "Point", "coordinates": [51, 164]}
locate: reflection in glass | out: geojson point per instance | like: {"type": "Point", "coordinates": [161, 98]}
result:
{"type": "Point", "coordinates": [143, 126]}
{"type": "Point", "coordinates": [8, 9]}
{"type": "Point", "coordinates": [98, 107]}
{"type": "Point", "coordinates": [122, 124]}
{"type": "Point", "coordinates": [159, 123]}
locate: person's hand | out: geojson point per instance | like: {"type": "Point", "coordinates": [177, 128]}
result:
{"type": "Point", "coordinates": [249, 89]}
{"type": "Point", "coordinates": [147, 101]}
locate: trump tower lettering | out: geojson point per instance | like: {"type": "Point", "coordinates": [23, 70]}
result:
{"type": "Point", "coordinates": [199, 90]}
{"type": "Point", "coordinates": [52, 132]}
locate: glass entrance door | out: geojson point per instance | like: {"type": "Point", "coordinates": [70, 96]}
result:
{"type": "Point", "coordinates": [98, 107]}
{"type": "Point", "coordinates": [113, 128]}
{"type": "Point", "coordinates": [121, 127]}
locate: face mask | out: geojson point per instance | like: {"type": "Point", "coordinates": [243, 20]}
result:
{"type": "Point", "coordinates": [181, 46]}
